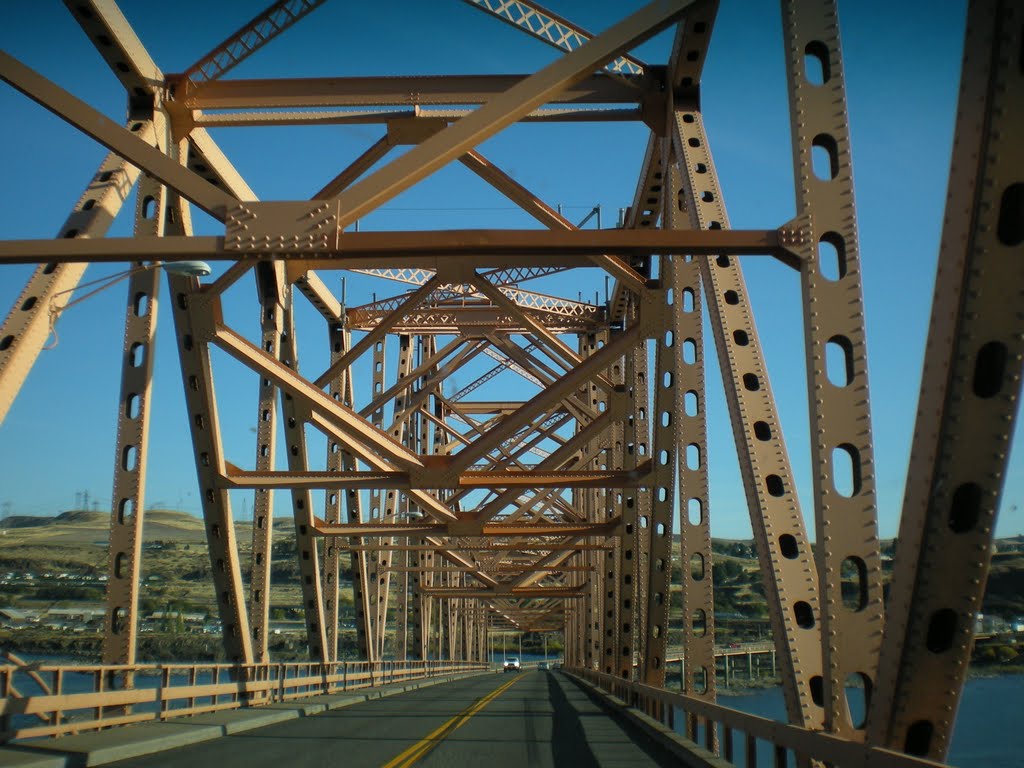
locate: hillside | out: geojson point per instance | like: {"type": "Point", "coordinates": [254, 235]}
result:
{"type": "Point", "coordinates": [175, 558]}
{"type": "Point", "coordinates": [85, 527]}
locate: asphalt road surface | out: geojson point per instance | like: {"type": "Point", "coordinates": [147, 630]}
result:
{"type": "Point", "coordinates": [523, 720]}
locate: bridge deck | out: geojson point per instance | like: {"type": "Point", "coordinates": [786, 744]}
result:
{"type": "Point", "coordinates": [532, 718]}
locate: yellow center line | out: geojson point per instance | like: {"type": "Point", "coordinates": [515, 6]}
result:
{"type": "Point", "coordinates": [421, 748]}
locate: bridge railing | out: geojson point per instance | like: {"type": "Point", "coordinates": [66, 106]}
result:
{"type": "Point", "coordinates": [738, 734]}
{"type": "Point", "coordinates": [41, 699]}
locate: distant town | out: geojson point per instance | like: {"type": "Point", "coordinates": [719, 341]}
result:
{"type": "Point", "coordinates": [53, 581]}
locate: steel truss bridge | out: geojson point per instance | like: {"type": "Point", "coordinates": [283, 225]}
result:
{"type": "Point", "coordinates": [456, 517]}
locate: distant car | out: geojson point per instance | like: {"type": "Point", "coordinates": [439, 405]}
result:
{"type": "Point", "coordinates": [512, 664]}
{"type": "Point", "coordinates": [543, 665]}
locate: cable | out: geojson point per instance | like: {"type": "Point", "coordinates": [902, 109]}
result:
{"type": "Point", "coordinates": [107, 281]}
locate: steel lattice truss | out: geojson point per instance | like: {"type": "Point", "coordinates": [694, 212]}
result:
{"type": "Point", "coordinates": [556, 511]}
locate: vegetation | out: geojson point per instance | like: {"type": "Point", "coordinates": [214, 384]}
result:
{"type": "Point", "coordinates": [61, 562]}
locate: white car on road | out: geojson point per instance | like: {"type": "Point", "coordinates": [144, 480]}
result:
{"type": "Point", "coordinates": [512, 664]}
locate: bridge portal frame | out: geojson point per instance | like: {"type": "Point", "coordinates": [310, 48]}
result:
{"type": "Point", "coordinates": [624, 512]}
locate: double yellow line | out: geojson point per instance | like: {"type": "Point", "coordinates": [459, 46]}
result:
{"type": "Point", "coordinates": [420, 749]}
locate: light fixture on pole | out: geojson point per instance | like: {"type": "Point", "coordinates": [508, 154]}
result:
{"type": "Point", "coordinates": [191, 268]}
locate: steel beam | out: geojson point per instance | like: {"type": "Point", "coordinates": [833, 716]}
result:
{"type": "Point", "coordinates": [969, 400]}
{"type": "Point", "coordinates": [551, 28]}
{"type": "Point", "coordinates": [379, 116]}
{"type": "Point", "coordinates": [788, 571]}
{"type": "Point", "coordinates": [335, 462]}
{"type": "Point", "coordinates": [29, 325]}
{"type": "Point", "coordinates": [116, 41]}
{"type": "Point", "coordinates": [124, 142]}
{"type": "Point", "coordinates": [501, 111]}
{"type": "Point", "coordinates": [449, 249]}
{"type": "Point", "coordinates": [217, 518]}
{"type": "Point", "coordinates": [326, 408]}
{"type": "Point", "coordinates": [259, 31]}
{"type": "Point", "coordinates": [842, 455]}
{"type": "Point", "coordinates": [292, 93]}
{"type": "Point", "coordinates": [132, 448]}
{"type": "Point", "coordinates": [272, 327]}
{"type": "Point", "coordinates": [302, 502]}
{"type": "Point", "coordinates": [691, 456]}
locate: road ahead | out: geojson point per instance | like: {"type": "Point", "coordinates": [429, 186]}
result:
{"type": "Point", "coordinates": [529, 719]}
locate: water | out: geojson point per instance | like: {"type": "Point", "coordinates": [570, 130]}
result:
{"type": "Point", "coordinates": [988, 730]}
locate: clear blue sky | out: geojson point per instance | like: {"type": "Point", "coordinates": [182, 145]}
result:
{"type": "Point", "coordinates": [902, 69]}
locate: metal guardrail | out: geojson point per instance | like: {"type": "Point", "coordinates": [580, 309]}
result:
{"type": "Point", "coordinates": [53, 699]}
{"type": "Point", "coordinates": [714, 729]}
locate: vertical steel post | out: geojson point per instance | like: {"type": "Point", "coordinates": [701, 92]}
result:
{"type": "Point", "coordinates": [842, 454]}
{"type": "Point", "coordinates": [683, 275]}
{"type": "Point", "coordinates": [192, 320]}
{"type": "Point", "coordinates": [669, 357]}
{"type": "Point", "coordinates": [272, 326]}
{"type": "Point", "coordinates": [302, 502]}
{"type": "Point", "coordinates": [374, 572]}
{"type": "Point", "coordinates": [335, 462]}
{"type": "Point", "coordinates": [131, 450]}
{"type": "Point", "coordinates": [788, 571]}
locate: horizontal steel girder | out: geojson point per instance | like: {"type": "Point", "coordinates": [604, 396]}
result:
{"type": "Point", "coordinates": [394, 92]}
{"type": "Point", "coordinates": [366, 250]}
{"type": "Point", "coordinates": [561, 593]}
{"type": "Point", "coordinates": [469, 527]}
{"type": "Point", "coordinates": [430, 478]}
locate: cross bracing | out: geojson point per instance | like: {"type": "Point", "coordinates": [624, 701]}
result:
{"type": "Point", "coordinates": [545, 490]}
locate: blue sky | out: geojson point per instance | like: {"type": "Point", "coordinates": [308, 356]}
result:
{"type": "Point", "coordinates": [902, 69]}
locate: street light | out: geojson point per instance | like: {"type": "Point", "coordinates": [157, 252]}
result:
{"type": "Point", "coordinates": [188, 268]}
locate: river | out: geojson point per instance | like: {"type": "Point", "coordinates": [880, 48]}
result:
{"type": "Point", "coordinates": [988, 730]}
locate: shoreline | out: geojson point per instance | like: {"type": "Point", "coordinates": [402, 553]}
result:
{"type": "Point", "coordinates": [206, 649]}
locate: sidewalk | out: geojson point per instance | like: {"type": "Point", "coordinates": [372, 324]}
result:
{"type": "Point", "coordinates": [102, 747]}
